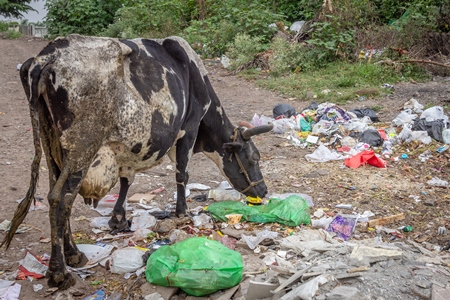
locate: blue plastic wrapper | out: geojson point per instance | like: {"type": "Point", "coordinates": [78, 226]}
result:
{"type": "Point", "coordinates": [343, 226]}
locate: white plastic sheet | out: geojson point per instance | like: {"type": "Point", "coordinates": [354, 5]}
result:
{"type": "Point", "coordinates": [323, 154]}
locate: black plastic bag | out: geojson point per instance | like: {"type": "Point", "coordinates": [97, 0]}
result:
{"type": "Point", "coordinates": [363, 112]}
{"type": "Point", "coordinates": [284, 110]}
{"type": "Point", "coordinates": [433, 128]}
{"type": "Point", "coordinates": [372, 137]}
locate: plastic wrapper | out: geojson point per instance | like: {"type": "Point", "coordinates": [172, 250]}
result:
{"type": "Point", "coordinates": [127, 260]}
{"type": "Point", "coordinates": [323, 154]}
{"type": "Point", "coordinates": [291, 211]}
{"type": "Point", "coordinates": [343, 226]}
{"type": "Point", "coordinates": [325, 127]}
{"type": "Point", "coordinates": [281, 126]}
{"type": "Point", "coordinates": [222, 195]}
{"type": "Point", "coordinates": [260, 120]}
{"type": "Point", "coordinates": [198, 266]}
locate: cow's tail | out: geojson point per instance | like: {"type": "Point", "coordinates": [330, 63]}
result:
{"type": "Point", "coordinates": [33, 96]}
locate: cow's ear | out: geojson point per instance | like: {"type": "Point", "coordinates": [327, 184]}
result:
{"type": "Point", "coordinates": [232, 147]}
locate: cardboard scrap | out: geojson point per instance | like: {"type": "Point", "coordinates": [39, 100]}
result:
{"type": "Point", "coordinates": [386, 220]}
{"type": "Point", "coordinates": [137, 198]}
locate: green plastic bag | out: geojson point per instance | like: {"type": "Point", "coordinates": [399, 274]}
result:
{"type": "Point", "coordinates": [291, 211]}
{"type": "Point", "coordinates": [196, 265]}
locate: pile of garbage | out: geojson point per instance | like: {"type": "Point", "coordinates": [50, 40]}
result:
{"type": "Point", "coordinates": [240, 247]}
{"type": "Point", "coordinates": [354, 135]}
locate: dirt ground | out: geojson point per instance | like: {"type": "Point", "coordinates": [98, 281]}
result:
{"type": "Point", "coordinates": [385, 192]}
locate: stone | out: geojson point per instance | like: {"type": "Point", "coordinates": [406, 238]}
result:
{"type": "Point", "coordinates": [343, 292]}
{"type": "Point", "coordinates": [259, 290]}
{"type": "Point", "coordinates": [154, 296]}
{"type": "Point", "coordinates": [165, 293]}
{"type": "Point", "coordinates": [439, 293]}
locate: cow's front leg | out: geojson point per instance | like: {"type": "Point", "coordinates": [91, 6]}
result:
{"type": "Point", "coordinates": [74, 257]}
{"type": "Point", "coordinates": [183, 154]}
{"type": "Point", "coordinates": [118, 221]}
{"type": "Point", "coordinates": [61, 201]}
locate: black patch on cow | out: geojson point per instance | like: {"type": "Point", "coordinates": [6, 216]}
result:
{"type": "Point", "coordinates": [162, 136]}
{"type": "Point", "coordinates": [59, 101]}
{"type": "Point", "coordinates": [24, 76]}
{"type": "Point", "coordinates": [136, 148]}
{"type": "Point", "coordinates": [146, 72]}
{"type": "Point", "coordinates": [51, 48]}
{"type": "Point", "coordinates": [176, 51]}
{"type": "Point", "coordinates": [96, 163]}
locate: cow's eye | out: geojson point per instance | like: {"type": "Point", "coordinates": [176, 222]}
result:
{"type": "Point", "coordinates": [255, 158]}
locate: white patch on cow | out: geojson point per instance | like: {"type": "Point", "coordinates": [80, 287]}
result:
{"type": "Point", "coordinates": [217, 159]}
{"type": "Point", "coordinates": [220, 111]}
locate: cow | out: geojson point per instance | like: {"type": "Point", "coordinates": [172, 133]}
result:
{"type": "Point", "coordinates": [103, 109]}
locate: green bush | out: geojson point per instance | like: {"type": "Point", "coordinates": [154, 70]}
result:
{"type": "Point", "coordinates": [12, 34]}
{"type": "Point", "coordinates": [4, 26]}
{"type": "Point", "coordinates": [242, 51]}
{"type": "Point", "coordinates": [226, 19]}
{"type": "Point", "coordinates": [88, 17]}
{"type": "Point", "coordinates": [151, 19]}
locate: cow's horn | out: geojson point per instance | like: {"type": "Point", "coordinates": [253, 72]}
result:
{"type": "Point", "coordinates": [248, 133]}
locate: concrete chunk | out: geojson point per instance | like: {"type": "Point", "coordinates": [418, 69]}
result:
{"type": "Point", "coordinates": [370, 254]}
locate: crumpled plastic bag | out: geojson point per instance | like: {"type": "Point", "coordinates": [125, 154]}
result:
{"type": "Point", "coordinates": [434, 113]}
{"type": "Point", "coordinates": [413, 105]}
{"type": "Point", "coordinates": [292, 211]}
{"type": "Point", "coordinates": [365, 157]}
{"type": "Point", "coordinates": [372, 137]}
{"type": "Point", "coordinates": [283, 110]}
{"type": "Point", "coordinates": [325, 127]}
{"type": "Point", "coordinates": [366, 112]}
{"type": "Point", "coordinates": [323, 154]}
{"type": "Point", "coordinates": [433, 128]}
{"type": "Point", "coordinates": [403, 118]}
{"type": "Point", "coordinates": [198, 266]}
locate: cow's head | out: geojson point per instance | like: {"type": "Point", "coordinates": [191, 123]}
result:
{"type": "Point", "coordinates": [241, 161]}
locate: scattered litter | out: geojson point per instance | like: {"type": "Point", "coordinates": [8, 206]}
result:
{"type": "Point", "coordinates": [127, 260]}
{"type": "Point", "coordinates": [10, 292]}
{"type": "Point", "coordinates": [37, 287]}
{"type": "Point", "coordinates": [95, 253]}
{"type": "Point", "coordinates": [98, 295]}
{"type": "Point", "coordinates": [197, 187]}
{"type": "Point", "coordinates": [31, 266]}
{"type": "Point", "coordinates": [435, 181]}
{"type": "Point", "coordinates": [223, 194]}
{"type": "Point", "coordinates": [253, 241]}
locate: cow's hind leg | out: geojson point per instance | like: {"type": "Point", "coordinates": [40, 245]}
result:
{"type": "Point", "coordinates": [61, 199]}
{"type": "Point", "coordinates": [118, 221]}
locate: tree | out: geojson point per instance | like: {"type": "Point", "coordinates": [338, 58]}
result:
{"type": "Point", "coordinates": [14, 8]}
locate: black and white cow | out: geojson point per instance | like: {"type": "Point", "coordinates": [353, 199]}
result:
{"type": "Point", "coordinates": [104, 109]}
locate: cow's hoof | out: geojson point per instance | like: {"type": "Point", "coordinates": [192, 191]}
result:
{"type": "Point", "coordinates": [76, 260]}
{"type": "Point", "coordinates": [117, 226]}
{"type": "Point", "coordinates": [60, 280]}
